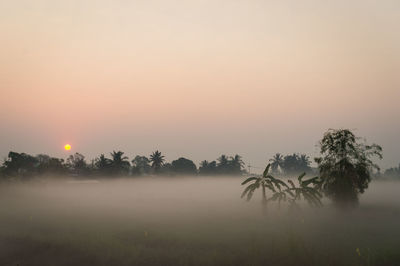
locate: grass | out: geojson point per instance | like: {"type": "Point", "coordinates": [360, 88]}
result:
{"type": "Point", "coordinates": [86, 226]}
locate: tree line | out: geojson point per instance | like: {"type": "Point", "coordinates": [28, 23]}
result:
{"type": "Point", "coordinates": [393, 172]}
{"type": "Point", "coordinates": [117, 164]}
{"type": "Point", "coordinates": [291, 164]}
{"type": "Point", "coordinates": [25, 165]}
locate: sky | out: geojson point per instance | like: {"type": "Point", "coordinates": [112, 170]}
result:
{"type": "Point", "coordinates": [197, 78]}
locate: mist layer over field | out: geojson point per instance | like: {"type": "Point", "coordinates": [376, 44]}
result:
{"type": "Point", "coordinates": [188, 221]}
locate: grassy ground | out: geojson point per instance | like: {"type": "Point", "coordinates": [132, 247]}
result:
{"type": "Point", "coordinates": [187, 223]}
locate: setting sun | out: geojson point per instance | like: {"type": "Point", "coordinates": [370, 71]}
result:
{"type": "Point", "coordinates": [205, 132]}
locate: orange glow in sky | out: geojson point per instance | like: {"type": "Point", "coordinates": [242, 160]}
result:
{"type": "Point", "coordinates": [197, 78]}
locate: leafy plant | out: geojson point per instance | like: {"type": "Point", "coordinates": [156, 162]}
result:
{"type": "Point", "coordinates": [346, 165]}
{"type": "Point", "coordinates": [119, 163]}
{"type": "Point", "coordinates": [281, 191]}
{"type": "Point", "coordinates": [157, 160]}
{"type": "Point", "coordinates": [276, 162]}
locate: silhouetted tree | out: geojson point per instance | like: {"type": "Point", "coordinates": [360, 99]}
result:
{"type": "Point", "coordinates": [236, 165]}
{"type": "Point", "coordinates": [2, 174]}
{"type": "Point", "coordinates": [140, 165]}
{"type": "Point", "coordinates": [49, 165]}
{"type": "Point", "coordinates": [157, 161]}
{"type": "Point", "coordinates": [304, 163]}
{"type": "Point", "coordinates": [77, 165]}
{"type": "Point", "coordinates": [119, 163]}
{"type": "Point", "coordinates": [20, 165]}
{"type": "Point", "coordinates": [295, 164]}
{"type": "Point", "coordinates": [103, 165]}
{"type": "Point", "coordinates": [208, 168]}
{"type": "Point", "coordinates": [223, 164]}
{"type": "Point", "coordinates": [345, 165]}
{"type": "Point", "coordinates": [393, 172]}
{"type": "Point", "coordinates": [276, 162]}
{"type": "Point", "coordinates": [183, 166]}
{"type": "Point", "coordinates": [166, 169]}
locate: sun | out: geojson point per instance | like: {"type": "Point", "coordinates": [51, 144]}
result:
{"type": "Point", "coordinates": [67, 147]}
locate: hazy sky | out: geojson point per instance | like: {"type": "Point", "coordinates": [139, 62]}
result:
{"type": "Point", "coordinates": [197, 78]}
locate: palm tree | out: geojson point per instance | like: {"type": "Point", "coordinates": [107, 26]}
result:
{"type": "Point", "coordinates": [291, 164]}
{"type": "Point", "coordinates": [223, 160]}
{"type": "Point", "coordinates": [119, 163]}
{"type": "Point", "coordinates": [204, 164]}
{"type": "Point", "coordinates": [208, 168]}
{"type": "Point", "coordinates": [157, 161]}
{"type": "Point", "coordinates": [103, 164]}
{"type": "Point", "coordinates": [237, 164]}
{"type": "Point", "coordinates": [223, 166]}
{"type": "Point", "coordinates": [304, 163]}
{"type": "Point", "coordinates": [276, 162]}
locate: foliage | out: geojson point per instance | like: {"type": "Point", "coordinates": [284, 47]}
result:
{"type": "Point", "coordinates": [284, 191]}
{"type": "Point", "coordinates": [225, 165]}
{"type": "Point", "coordinates": [140, 165]}
{"type": "Point", "coordinates": [183, 166]}
{"type": "Point", "coordinates": [292, 164]}
{"type": "Point", "coordinates": [77, 165]}
{"type": "Point", "coordinates": [24, 165]}
{"type": "Point", "coordinates": [208, 168]}
{"type": "Point", "coordinates": [119, 163]}
{"type": "Point", "coordinates": [157, 161]}
{"type": "Point", "coordinates": [166, 170]}
{"type": "Point", "coordinates": [50, 165]}
{"type": "Point", "coordinates": [393, 172]}
{"type": "Point", "coordinates": [345, 165]}
{"type": "Point", "coordinates": [20, 164]}
{"type": "Point", "coordinates": [102, 165]}
{"type": "Point", "coordinates": [276, 162]}
{"type": "Point", "coordinates": [236, 164]}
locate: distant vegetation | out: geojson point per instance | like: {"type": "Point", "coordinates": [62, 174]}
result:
{"type": "Point", "coordinates": [22, 165]}
{"type": "Point", "coordinates": [393, 172]}
{"type": "Point", "coordinates": [292, 164]}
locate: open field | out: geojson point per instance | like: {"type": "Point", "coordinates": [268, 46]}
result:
{"type": "Point", "coordinates": [188, 221]}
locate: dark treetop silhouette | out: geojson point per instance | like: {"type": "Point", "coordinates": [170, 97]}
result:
{"type": "Point", "coordinates": [345, 165]}
{"type": "Point", "coordinates": [22, 166]}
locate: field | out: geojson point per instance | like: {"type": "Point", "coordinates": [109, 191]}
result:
{"type": "Point", "coordinates": [188, 221]}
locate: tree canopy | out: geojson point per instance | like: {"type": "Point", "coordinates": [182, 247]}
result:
{"type": "Point", "coordinates": [292, 164]}
{"type": "Point", "coordinates": [157, 161]}
{"type": "Point", "coordinates": [345, 165]}
{"type": "Point", "coordinates": [183, 166]}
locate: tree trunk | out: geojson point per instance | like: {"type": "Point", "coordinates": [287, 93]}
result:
{"type": "Point", "coordinates": [264, 195]}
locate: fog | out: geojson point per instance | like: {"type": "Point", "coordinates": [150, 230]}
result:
{"type": "Point", "coordinates": [188, 221]}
